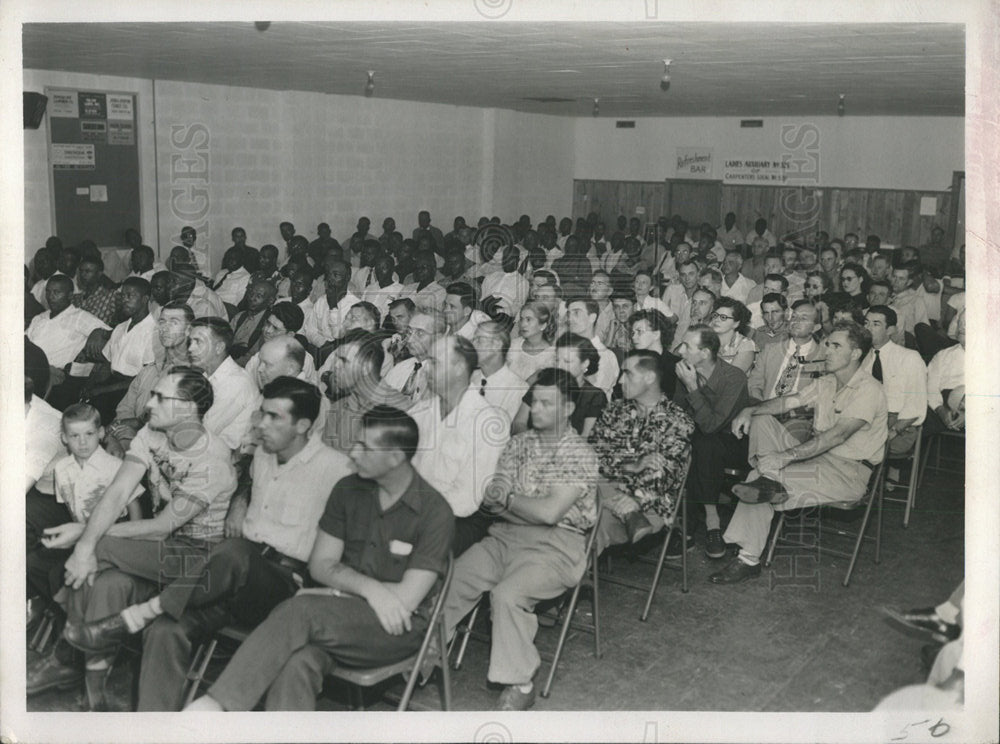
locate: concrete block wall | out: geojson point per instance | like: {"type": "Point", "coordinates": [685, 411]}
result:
{"type": "Point", "coordinates": [220, 156]}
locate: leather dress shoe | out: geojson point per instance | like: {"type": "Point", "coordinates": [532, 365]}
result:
{"type": "Point", "coordinates": [735, 572]}
{"type": "Point", "coordinates": [49, 673]}
{"type": "Point", "coordinates": [926, 623]}
{"type": "Point", "coordinates": [761, 491]}
{"type": "Point", "coordinates": [637, 527]}
{"type": "Point", "coordinates": [98, 636]}
{"type": "Point", "coordinates": [513, 699]}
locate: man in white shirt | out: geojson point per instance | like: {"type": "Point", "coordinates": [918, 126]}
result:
{"type": "Point", "coordinates": [910, 308]}
{"type": "Point", "coordinates": [410, 376]}
{"type": "Point", "coordinates": [494, 380]}
{"type": "Point", "coordinates": [423, 290]}
{"type": "Point", "coordinates": [460, 310]}
{"type": "Point", "coordinates": [730, 237]}
{"type": "Point", "coordinates": [508, 286]}
{"type": "Point", "coordinates": [760, 229]}
{"type": "Point", "coordinates": [903, 376]}
{"type": "Point", "coordinates": [734, 284]}
{"type": "Point", "coordinates": [128, 350]}
{"type": "Point", "coordinates": [235, 395]}
{"type": "Point", "coordinates": [581, 314]}
{"type": "Point", "coordinates": [205, 303]}
{"type": "Point", "coordinates": [62, 331]}
{"type": "Point", "coordinates": [230, 283]}
{"type": "Point", "coordinates": [461, 437]}
{"type": "Point", "coordinates": [384, 288]}
{"type": "Point", "coordinates": [325, 321]}
{"type": "Point", "coordinates": [945, 375]}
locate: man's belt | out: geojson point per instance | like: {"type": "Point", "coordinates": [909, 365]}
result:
{"type": "Point", "coordinates": [869, 465]}
{"type": "Point", "coordinates": [285, 561]}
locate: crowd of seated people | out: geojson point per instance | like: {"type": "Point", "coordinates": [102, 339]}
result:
{"type": "Point", "coordinates": [311, 430]}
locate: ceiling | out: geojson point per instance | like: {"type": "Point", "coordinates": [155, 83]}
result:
{"type": "Point", "coordinates": [719, 69]}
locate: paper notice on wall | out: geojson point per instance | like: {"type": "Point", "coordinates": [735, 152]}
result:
{"type": "Point", "coordinates": [120, 107]}
{"type": "Point", "coordinates": [121, 133]}
{"type": "Point", "coordinates": [63, 103]}
{"type": "Point", "coordinates": [928, 206]}
{"type": "Point", "coordinates": [82, 190]}
{"type": "Point", "coordinates": [99, 193]}
{"type": "Point", "coordinates": [93, 106]}
{"type": "Point", "coordinates": [72, 157]}
{"type": "Point", "coordinates": [694, 162]}
{"type": "Point", "coordinates": [93, 131]}
{"type": "Point", "coordinates": [754, 171]}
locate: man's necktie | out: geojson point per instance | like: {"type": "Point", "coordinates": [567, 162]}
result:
{"type": "Point", "coordinates": [371, 273]}
{"type": "Point", "coordinates": [221, 281]}
{"type": "Point", "coordinates": [877, 367]}
{"type": "Point", "coordinates": [411, 381]}
{"type": "Point", "coordinates": [482, 387]}
{"type": "Point", "coordinates": [790, 377]}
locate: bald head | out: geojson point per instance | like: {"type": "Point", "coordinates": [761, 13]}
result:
{"type": "Point", "coordinates": [281, 356]}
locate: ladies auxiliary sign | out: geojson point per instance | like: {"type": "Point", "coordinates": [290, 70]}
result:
{"type": "Point", "coordinates": [754, 171]}
{"type": "Point", "coordinates": [694, 162]}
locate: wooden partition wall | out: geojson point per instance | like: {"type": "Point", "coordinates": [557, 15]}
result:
{"type": "Point", "coordinates": [892, 215]}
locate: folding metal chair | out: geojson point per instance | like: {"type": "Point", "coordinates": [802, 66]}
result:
{"type": "Point", "coordinates": [203, 654]}
{"type": "Point", "coordinates": [934, 441]}
{"type": "Point", "coordinates": [680, 527]}
{"type": "Point", "coordinates": [360, 677]}
{"type": "Point", "coordinates": [912, 483]}
{"type": "Point", "coordinates": [873, 496]}
{"type": "Point", "coordinates": [411, 666]}
{"type": "Point", "coordinates": [566, 612]}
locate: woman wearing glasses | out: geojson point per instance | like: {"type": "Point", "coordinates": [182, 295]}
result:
{"type": "Point", "coordinates": [731, 321]}
{"type": "Point", "coordinates": [653, 331]}
{"type": "Point", "coordinates": [854, 280]}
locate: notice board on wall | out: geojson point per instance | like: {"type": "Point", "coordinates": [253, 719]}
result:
{"type": "Point", "coordinates": [93, 164]}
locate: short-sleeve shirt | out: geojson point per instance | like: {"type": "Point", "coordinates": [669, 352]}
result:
{"type": "Point", "coordinates": [861, 398]}
{"type": "Point", "coordinates": [202, 473]}
{"type": "Point", "coordinates": [64, 336]}
{"type": "Point", "coordinates": [529, 467]}
{"type": "Point", "coordinates": [81, 487]}
{"type": "Point", "coordinates": [288, 498]}
{"type": "Point", "coordinates": [129, 349]}
{"type": "Point", "coordinates": [414, 533]}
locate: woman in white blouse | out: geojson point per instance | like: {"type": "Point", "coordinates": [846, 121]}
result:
{"type": "Point", "coordinates": [533, 349]}
{"type": "Point", "coordinates": [731, 320]}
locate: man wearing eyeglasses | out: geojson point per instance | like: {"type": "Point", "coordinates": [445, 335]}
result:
{"type": "Point", "coordinates": [410, 375]}
{"type": "Point", "coordinates": [191, 481]}
{"type": "Point", "coordinates": [782, 368]}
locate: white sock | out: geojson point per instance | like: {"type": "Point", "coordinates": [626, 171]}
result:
{"type": "Point", "coordinates": [99, 664]}
{"type": "Point", "coordinates": [525, 688]}
{"type": "Point", "coordinates": [947, 612]}
{"type": "Point", "coordinates": [138, 616]}
{"type": "Point", "coordinates": [711, 517]}
{"type": "Point", "coordinates": [750, 560]}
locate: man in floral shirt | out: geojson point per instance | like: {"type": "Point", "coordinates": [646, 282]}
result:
{"type": "Point", "coordinates": [643, 443]}
{"type": "Point", "coordinates": [545, 488]}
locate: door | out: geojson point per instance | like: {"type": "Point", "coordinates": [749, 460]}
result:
{"type": "Point", "coordinates": [696, 201]}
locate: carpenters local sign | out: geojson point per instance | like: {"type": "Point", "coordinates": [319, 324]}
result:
{"type": "Point", "coordinates": [754, 171]}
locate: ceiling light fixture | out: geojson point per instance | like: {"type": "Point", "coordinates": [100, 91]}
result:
{"type": "Point", "coordinates": [370, 85]}
{"type": "Point", "coordinates": [841, 108]}
{"type": "Point", "coordinates": [665, 80]}
{"type": "Point", "coordinates": [597, 107]}
{"type": "Point", "coordinates": [262, 26]}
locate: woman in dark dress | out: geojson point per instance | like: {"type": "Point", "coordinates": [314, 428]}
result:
{"type": "Point", "coordinates": [576, 355]}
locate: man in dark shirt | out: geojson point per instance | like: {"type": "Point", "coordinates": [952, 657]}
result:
{"type": "Point", "coordinates": [382, 543]}
{"type": "Point", "coordinates": [712, 392]}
